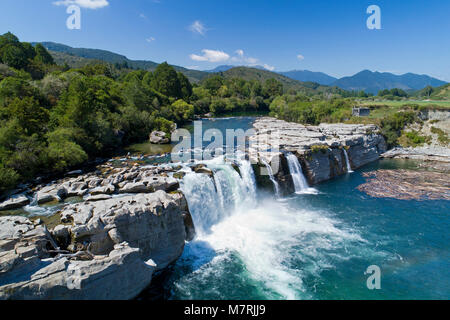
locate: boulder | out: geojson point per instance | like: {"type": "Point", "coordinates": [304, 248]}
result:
{"type": "Point", "coordinates": [51, 193]}
{"type": "Point", "coordinates": [159, 137]}
{"type": "Point", "coordinates": [16, 202]}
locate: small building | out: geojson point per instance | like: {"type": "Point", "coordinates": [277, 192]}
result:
{"type": "Point", "coordinates": [360, 112]}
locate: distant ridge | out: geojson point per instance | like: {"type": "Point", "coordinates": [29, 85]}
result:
{"type": "Point", "coordinates": [366, 80]}
{"type": "Point", "coordinates": [372, 82]}
{"type": "Point", "coordinates": [306, 75]}
{"type": "Point", "coordinates": [224, 68]}
{"type": "Point", "coordinates": [66, 53]}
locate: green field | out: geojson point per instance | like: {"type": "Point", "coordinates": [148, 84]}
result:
{"type": "Point", "coordinates": [429, 103]}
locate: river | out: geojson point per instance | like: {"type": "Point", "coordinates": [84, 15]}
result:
{"type": "Point", "coordinates": [311, 245]}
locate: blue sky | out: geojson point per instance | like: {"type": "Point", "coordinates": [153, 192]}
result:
{"type": "Point", "coordinates": [329, 35]}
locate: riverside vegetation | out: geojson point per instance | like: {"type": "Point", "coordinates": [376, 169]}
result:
{"type": "Point", "coordinates": [54, 118]}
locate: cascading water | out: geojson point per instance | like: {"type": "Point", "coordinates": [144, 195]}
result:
{"type": "Point", "coordinates": [347, 162]}
{"type": "Point", "coordinates": [295, 168]}
{"type": "Point", "coordinates": [272, 178]}
{"type": "Point", "coordinates": [211, 199]}
{"type": "Point", "coordinates": [296, 171]}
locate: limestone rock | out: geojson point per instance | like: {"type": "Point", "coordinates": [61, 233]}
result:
{"type": "Point", "coordinates": [159, 137]}
{"type": "Point", "coordinates": [320, 149]}
{"type": "Point", "coordinates": [119, 275]}
{"type": "Point", "coordinates": [14, 203]}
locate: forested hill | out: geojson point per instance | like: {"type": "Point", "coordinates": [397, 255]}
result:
{"type": "Point", "coordinates": [77, 57]}
{"type": "Point", "coordinates": [288, 83]}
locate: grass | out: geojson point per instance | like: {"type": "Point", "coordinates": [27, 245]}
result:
{"type": "Point", "coordinates": [399, 104]}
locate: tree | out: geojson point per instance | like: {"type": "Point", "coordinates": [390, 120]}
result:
{"type": "Point", "coordinates": [182, 111]}
{"type": "Point", "coordinates": [14, 56]}
{"type": "Point", "coordinates": [185, 86]}
{"type": "Point", "coordinates": [273, 88]}
{"type": "Point", "coordinates": [63, 153]}
{"type": "Point", "coordinates": [8, 178]}
{"type": "Point", "coordinates": [42, 55]}
{"type": "Point", "coordinates": [213, 84]}
{"type": "Point", "coordinates": [31, 116]}
{"type": "Point", "coordinates": [165, 80]}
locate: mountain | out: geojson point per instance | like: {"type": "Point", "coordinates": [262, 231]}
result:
{"type": "Point", "coordinates": [220, 69]}
{"type": "Point", "coordinates": [248, 73]}
{"type": "Point", "coordinates": [224, 68]}
{"type": "Point", "coordinates": [309, 76]}
{"type": "Point", "coordinates": [76, 57]}
{"type": "Point", "coordinates": [372, 82]}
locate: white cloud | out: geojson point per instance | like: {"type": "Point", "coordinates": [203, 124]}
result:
{"type": "Point", "coordinates": [88, 4]}
{"type": "Point", "coordinates": [211, 56]}
{"type": "Point", "coordinates": [143, 16]}
{"type": "Point", "coordinates": [193, 67]}
{"type": "Point", "coordinates": [267, 67]}
{"type": "Point", "coordinates": [241, 58]}
{"type": "Point", "coordinates": [198, 27]}
{"type": "Point", "coordinates": [151, 39]}
{"type": "Point", "coordinates": [300, 57]}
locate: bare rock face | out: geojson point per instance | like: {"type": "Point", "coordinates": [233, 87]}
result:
{"type": "Point", "coordinates": [121, 274]}
{"type": "Point", "coordinates": [107, 249]}
{"type": "Point", "coordinates": [152, 222]}
{"type": "Point", "coordinates": [320, 149]}
{"type": "Point", "coordinates": [22, 245]}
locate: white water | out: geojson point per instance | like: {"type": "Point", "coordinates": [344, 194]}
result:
{"type": "Point", "coordinates": [276, 186]}
{"type": "Point", "coordinates": [271, 240]}
{"type": "Point", "coordinates": [347, 162]}
{"type": "Point", "coordinates": [300, 183]}
{"type": "Point", "coordinates": [212, 200]}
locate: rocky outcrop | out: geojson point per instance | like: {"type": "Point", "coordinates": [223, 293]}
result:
{"type": "Point", "coordinates": [159, 137]}
{"type": "Point", "coordinates": [129, 222]}
{"type": "Point", "coordinates": [439, 154]}
{"type": "Point", "coordinates": [105, 250]}
{"type": "Point", "coordinates": [439, 115]}
{"type": "Point", "coordinates": [320, 149]}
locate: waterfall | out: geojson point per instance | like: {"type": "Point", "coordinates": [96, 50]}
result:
{"type": "Point", "coordinates": [272, 178]}
{"type": "Point", "coordinates": [349, 168]}
{"type": "Point", "coordinates": [212, 199]}
{"type": "Point", "coordinates": [295, 168]}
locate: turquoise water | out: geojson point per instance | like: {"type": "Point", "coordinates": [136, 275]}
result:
{"type": "Point", "coordinates": [315, 246]}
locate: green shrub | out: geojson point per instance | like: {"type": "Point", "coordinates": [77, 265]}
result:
{"type": "Point", "coordinates": [442, 136]}
{"type": "Point", "coordinates": [8, 178]}
{"type": "Point", "coordinates": [413, 139]}
{"type": "Point", "coordinates": [319, 148]}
